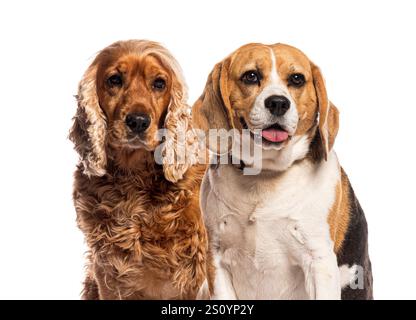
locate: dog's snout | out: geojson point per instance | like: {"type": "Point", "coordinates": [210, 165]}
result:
{"type": "Point", "coordinates": [138, 122]}
{"type": "Point", "coordinates": [277, 105]}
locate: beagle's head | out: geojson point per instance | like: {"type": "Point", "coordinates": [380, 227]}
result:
{"type": "Point", "coordinates": [276, 92]}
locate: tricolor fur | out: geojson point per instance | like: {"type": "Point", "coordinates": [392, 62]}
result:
{"type": "Point", "coordinates": [296, 230]}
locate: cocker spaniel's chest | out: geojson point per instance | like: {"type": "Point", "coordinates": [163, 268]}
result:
{"type": "Point", "coordinates": [141, 238]}
{"type": "Point", "coordinates": [130, 216]}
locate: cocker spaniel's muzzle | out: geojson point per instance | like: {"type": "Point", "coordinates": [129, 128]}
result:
{"type": "Point", "coordinates": [138, 123]}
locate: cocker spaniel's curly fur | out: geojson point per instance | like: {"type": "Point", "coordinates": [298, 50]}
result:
{"type": "Point", "coordinates": [141, 220]}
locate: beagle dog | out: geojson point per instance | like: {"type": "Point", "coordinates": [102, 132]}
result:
{"type": "Point", "coordinates": [295, 230]}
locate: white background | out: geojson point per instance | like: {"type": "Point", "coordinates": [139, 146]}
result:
{"type": "Point", "coordinates": [366, 50]}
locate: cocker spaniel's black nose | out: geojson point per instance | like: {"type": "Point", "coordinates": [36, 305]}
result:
{"type": "Point", "coordinates": [138, 122]}
{"type": "Point", "coordinates": [277, 105]}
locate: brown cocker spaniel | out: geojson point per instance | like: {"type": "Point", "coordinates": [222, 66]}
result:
{"type": "Point", "coordinates": [141, 219]}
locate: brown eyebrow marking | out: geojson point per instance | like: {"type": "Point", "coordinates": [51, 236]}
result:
{"type": "Point", "coordinates": [293, 68]}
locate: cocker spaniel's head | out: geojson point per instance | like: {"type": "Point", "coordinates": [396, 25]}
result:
{"type": "Point", "coordinates": [131, 91]}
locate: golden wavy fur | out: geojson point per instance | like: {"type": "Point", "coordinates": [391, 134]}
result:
{"type": "Point", "coordinates": [141, 220]}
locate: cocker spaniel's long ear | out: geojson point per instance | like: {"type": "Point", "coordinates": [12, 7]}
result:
{"type": "Point", "coordinates": [328, 114]}
{"type": "Point", "coordinates": [88, 132]}
{"type": "Point", "coordinates": [180, 149]}
{"type": "Point", "coordinates": [212, 111]}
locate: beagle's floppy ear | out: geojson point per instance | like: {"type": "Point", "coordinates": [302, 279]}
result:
{"type": "Point", "coordinates": [213, 109]}
{"type": "Point", "coordinates": [328, 114]}
{"type": "Point", "coordinates": [88, 132]}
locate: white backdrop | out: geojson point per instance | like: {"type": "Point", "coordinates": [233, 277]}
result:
{"type": "Point", "coordinates": [366, 50]}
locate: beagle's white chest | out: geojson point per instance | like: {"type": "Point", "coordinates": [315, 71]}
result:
{"type": "Point", "coordinates": [270, 235]}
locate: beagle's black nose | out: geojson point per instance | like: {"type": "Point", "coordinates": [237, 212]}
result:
{"type": "Point", "coordinates": [138, 122]}
{"type": "Point", "coordinates": [277, 105]}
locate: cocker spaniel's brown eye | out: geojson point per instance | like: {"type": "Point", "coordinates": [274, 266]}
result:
{"type": "Point", "coordinates": [115, 81]}
{"type": "Point", "coordinates": [251, 77]}
{"type": "Point", "coordinates": [296, 80]}
{"type": "Point", "coordinates": [159, 84]}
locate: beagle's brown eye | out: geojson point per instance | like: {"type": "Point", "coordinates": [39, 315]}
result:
{"type": "Point", "coordinates": [296, 80]}
{"type": "Point", "coordinates": [115, 81]}
{"type": "Point", "coordinates": [251, 77]}
{"type": "Point", "coordinates": [159, 84]}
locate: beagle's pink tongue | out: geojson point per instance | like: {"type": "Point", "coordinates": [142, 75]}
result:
{"type": "Point", "coordinates": [274, 135]}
